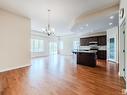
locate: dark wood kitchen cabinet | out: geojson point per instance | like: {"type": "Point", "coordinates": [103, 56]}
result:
{"type": "Point", "coordinates": [86, 58]}
{"type": "Point", "coordinates": [101, 54]}
{"type": "Point", "coordinates": [102, 40]}
{"type": "Point", "coordinates": [84, 41]}
{"type": "Point", "coordinates": [81, 42]}
{"type": "Point", "coordinates": [93, 39]}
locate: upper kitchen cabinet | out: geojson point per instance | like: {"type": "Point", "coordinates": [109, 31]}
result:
{"type": "Point", "coordinates": [93, 39]}
{"type": "Point", "coordinates": [102, 40]}
{"type": "Point", "coordinates": [84, 41]}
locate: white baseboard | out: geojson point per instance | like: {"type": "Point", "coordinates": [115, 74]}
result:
{"type": "Point", "coordinates": [13, 68]}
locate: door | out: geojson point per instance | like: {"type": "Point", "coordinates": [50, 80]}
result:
{"type": "Point", "coordinates": [122, 47]}
{"type": "Point", "coordinates": [112, 49]}
{"type": "Point", "coordinates": [123, 32]}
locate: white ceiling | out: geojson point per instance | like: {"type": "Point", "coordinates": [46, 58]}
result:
{"type": "Point", "coordinates": [100, 24]}
{"type": "Point", "coordinates": [63, 14]}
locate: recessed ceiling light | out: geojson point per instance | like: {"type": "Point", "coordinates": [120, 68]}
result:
{"type": "Point", "coordinates": [110, 23]}
{"type": "Point", "coordinates": [111, 17]}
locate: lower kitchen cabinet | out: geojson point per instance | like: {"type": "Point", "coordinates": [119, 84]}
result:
{"type": "Point", "coordinates": [101, 54]}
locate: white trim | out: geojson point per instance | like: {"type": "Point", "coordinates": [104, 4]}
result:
{"type": "Point", "coordinates": [119, 74]}
{"type": "Point", "coordinates": [13, 68]}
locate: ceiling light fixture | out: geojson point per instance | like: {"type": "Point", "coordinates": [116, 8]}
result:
{"type": "Point", "coordinates": [48, 30]}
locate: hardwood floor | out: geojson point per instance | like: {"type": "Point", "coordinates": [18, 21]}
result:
{"type": "Point", "coordinates": [60, 75]}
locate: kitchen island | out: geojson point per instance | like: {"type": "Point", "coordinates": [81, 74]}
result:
{"type": "Point", "coordinates": [87, 58]}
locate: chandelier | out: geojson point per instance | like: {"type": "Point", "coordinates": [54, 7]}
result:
{"type": "Point", "coordinates": [48, 30]}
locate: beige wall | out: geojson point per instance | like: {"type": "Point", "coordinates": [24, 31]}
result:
{"type": "Point", "coordinates": [14, 41]}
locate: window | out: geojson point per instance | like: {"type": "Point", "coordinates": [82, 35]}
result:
{"type": "Point", "coordinates": [37, 45]}
{"type": "Point", "coordinates": [61, 45]}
